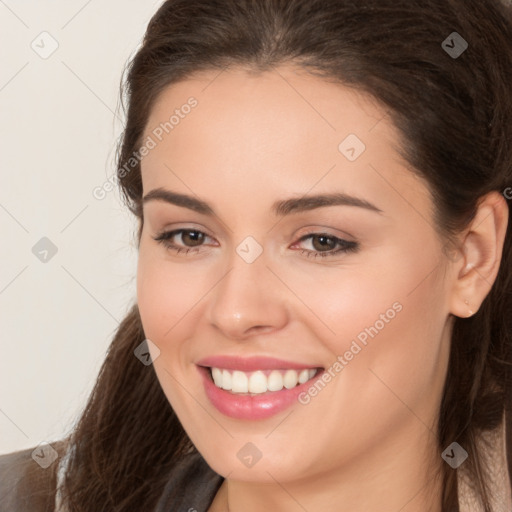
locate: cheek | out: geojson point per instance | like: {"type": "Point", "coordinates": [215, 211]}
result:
{"type": "Point", "coordinates": [390, 333]}
{"type": "Point", "coordinates": [166, 293]}
{"type": "Point", "coordinates": [387, 312]}
{"type": "Point", "coordinates": [166, 296]}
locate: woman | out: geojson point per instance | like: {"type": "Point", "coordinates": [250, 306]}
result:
{"type": "Point", "coordinates": [324, 279]}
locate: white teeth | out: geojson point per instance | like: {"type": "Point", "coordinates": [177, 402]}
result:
{"type": "Point", "coordinates": [240, 382]}
{"type": "Point", "coordinates": [275, 381]}
{"type": "Point", "coordinates": [258, 382]}
{"type": "Point", "coordinates": [290, 379]}
{"type": "Point", "coordinates": [303, 376]}
{"type": "Point", "coordinates": [217, 377]}
{"type": "Point", "coordinates": [226, 380]}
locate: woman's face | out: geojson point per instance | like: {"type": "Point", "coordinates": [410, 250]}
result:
{"type": "Point", "coordinates": [346, 275]}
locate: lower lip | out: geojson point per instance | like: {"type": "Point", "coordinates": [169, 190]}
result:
{"type": "Point", "coordinates": [246, 407]}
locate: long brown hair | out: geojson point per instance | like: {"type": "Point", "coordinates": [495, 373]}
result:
{"type": "Point", "coordinates": [454, 115]}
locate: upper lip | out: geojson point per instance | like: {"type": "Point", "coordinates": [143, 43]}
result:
{"type": "Point", "coordinates": [251, 363]}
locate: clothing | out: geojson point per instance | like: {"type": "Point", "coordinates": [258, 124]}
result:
{"type": "Point", "coordinates": [25, 487]}
{"type": "Point", "coordinates": [493, 447]}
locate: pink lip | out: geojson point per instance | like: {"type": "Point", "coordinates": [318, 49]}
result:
{"type": "Point", "coordinates": [251, 364]}
{"type": "Point", "coordinates": [248, 407]}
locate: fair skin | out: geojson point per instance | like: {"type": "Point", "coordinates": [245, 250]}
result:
{"type": "Point", "coordinates": [364, 443]}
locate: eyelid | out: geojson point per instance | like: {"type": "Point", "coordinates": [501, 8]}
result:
{"type": "Point", "coordinates": [344, 246]}
{"type": "Point", "coordinates": [166, 234]}
{"type": "Point", "coordinates": [315, 229]}
{"type": "Point", "coordinates": [311, 230]}
{"type": "Point", "coordinates": [177, 226]}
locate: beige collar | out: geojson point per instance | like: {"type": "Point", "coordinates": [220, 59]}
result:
{"type": "Point", "coordinates": [492, 448]}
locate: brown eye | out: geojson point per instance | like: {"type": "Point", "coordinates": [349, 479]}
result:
{"type": "Point", "coordinates": [182, 240]}
{"type": "Point", "coordinates": [192, 238]}
{"type": "Point", "coordinates": [323, 242]}
{"type": "Point", "coordinates": [325, 245]}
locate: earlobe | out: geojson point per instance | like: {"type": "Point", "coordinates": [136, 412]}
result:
{"type": "Point", "coordinates": [482, 249]}
{"type": "Point", "coordinates": [470, 311]}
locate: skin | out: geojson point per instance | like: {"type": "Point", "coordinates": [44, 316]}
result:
{"type": "Point", "coordinates": [366, 442]}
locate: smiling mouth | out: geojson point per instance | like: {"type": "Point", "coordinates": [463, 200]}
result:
{"type": "Point", "coordinates": [259, 381]}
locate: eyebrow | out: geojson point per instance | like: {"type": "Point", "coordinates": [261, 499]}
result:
{"type": "Point", "coordinates": [282, 207]}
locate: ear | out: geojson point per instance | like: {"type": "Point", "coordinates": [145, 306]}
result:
{"type": "Point", "coordinates": [481, 251]}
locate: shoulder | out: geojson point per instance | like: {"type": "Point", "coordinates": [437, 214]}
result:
{"type": "Point", "coordinates": [26, 485]}
{"type": "Point", "coordinates": [191, 485]}
{"type": "Point", "coordinates": [28, 478]}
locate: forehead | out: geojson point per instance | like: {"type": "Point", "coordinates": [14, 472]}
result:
{"type": "Point", "coordinates": [278, 97]}
{"type": "Point", "coordinates": [246, 130]}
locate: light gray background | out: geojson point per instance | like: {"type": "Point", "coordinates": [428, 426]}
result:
{"type": "Point", "coordinates": [60, 119]}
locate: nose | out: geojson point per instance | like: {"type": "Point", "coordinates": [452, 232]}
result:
{"type": "Point", "coordinates": [248, 300]}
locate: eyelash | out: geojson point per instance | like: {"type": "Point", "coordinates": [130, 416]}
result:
{"type": "Point", "coordinates": [345, 245]}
